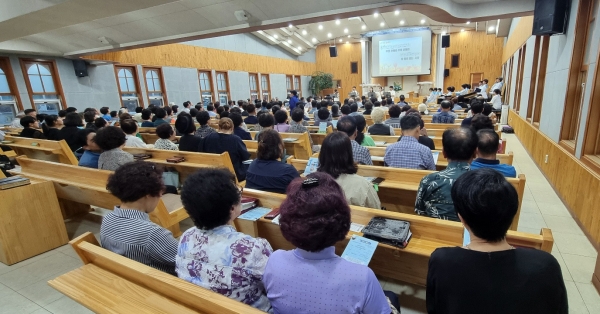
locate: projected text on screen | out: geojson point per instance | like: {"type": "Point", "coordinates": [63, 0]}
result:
{"type": "Point", "coordinates": [399, 56]}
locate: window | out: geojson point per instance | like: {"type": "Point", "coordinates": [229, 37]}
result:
{"type": "Point", "coordinates": [264, 86]}
{"type": "Point", "coordinates": [519, 80]}
{"type": "Point", "coordinates": [155, 87]}
{"type": "Point", "coordinates": [541, 80]}
{"type": "Point", "coordinates": [288, 83]}
{"type": "Point", "coordinates": [206, 90]}
{"type": "Point", "coordinates": [222, 87]}
{"type": "Point", "coordinates": [455, 60]}
{"type": "Point", "coordinates": [533, 80]}
{"type": "Point", "coordinates": [10, 102]}
{"type": "Point", "coordinates": [253, 86]}
{"type": "Point", "coordinates": [128, 87]}
{"type": "Point", "coordinates": [298, 85]}
{"type": "Point", "coordinates": [43, 85]}
{"type": "Point", "coordinates": [509, 81]}
{"type": "Point", "coordinates": [591, 143]}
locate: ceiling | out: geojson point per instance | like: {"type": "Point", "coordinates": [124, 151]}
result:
{"type": "Point", "coordinates": [73, 28]}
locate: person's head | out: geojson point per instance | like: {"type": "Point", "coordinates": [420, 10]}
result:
{"type": "Point", "coordinates": [422, 108]}
{"type": "Point", "coordinates": [477, 107]}
{"type": "Point", "coordinates": [465, 86]}
{"type": "Point", "coordinates": [411, 125]}
{"type": "Point", "coordinates": [350, 101]}
{"type": "Point", "coordinates": [211, 198]}
{"type": "Point", "coordinates": [62, 114]}
{"type": "Point", "coordinates": [446, 105]}
{"type": "Point", "coordinates": [138, 109]}
{"type": "Point", "coordinates": [125, 116]}
{"type": "Point", "coordinates": [73, 119]}
{"type": "Point", "coordinates": [499, 79]}
{"type": "Point", "coordinates": [274, 109]}
{"type": "Point", "coordinates": [335, 157]}
{"type": "Point", "coordinates": [294, 93]}
{"type": "Point", "coordinates": [185, 123]}
{"type": "Point", "coordinates": [459, 144]}
{"type": "Point", "coordinates": [335, 109]}
{"type": "Point", "coordinates": [297, 115]}
{"type": "Point", "coordinates": [137, 182]}
{"type": "Point", "coordinates": [377, 115]}
{"type": "Point", "coordinates": [251, 109]}
{"type": "Point", "coordinates": [30, 112]}
{"type": "Point", "coordinates": [29, 122]}
{"type": "Point", "coordinates": [113, 114]}
{"type": "Point", "coordinates": [225, 126]}
{"type": "Point", "coordinates": [86, 139]}
{"type": "Point", "coordinates": [100, 123]}
{"type": "Point", "coordinates": [346, 110]}
{"type": "Point", "coordinates": [110, 137]}
{"type": "Point", "coordinates": [130, 127]}
{"type": "Point", "coordinates": [236, 118]}
{"type": "Point", "coordinates": [480, 122]}
{"type": "Point", "coordinates": [485, 81]}
{"type": "Point", "coordinates": [226, 108]}
{"type": "Point", "coordinates": [160, 113]}
{"type": "Point", "coordinates": [174, 109]}
{"type": "Point", "coordinates": [146, 114]}
{"type": "Point", "coordinates": [187, 104]}
{"type": "Point", "coordinates": [315, 214]}
{"type": "Point", "coordinates": [266, 120]}
{"type": "Point", "coordinates": [71, 109]}
{"type": "Point", "coordinates": [210, 108]}
{"type": "Point", "coordinates": [488, 143]}
{"type": "Point", "coordinates": [497, 92]}
{"type": "Point", "coordinates": [475, 195]}
{"type": "Point", "coordinates": [368, 106]}
{"type": "Point", "coordinates": [354, 107]}
{"type": "Point", "coordinates": [353, 88]}
{"type": "Point", "coordinates": [193, 112]}
{"type": "Point", "coordinates": [104, 110]}
{"type": "Point", "coordinates": [395, 111]}
{"type": "Point", "coordinates": [348, 126]}
{"type": "Point", "coordinates": [487, 109]}
{"type": "Point", "coordinates": [270, 145]}
{"type": "Point", "coordinates": [51, 120]}
{"type": "Point", "coordinates": [402, 98]}
{"type": "Point", "coordinates": [89, 116]}
{"type": "Point", "coordinates": [323, 113]}
{"type": "Point", "coordinates": [168, 110]}
{"type": "Point", "coordinates": [165, 131]}
{"type": "Point", "coordinates": [389, 101]}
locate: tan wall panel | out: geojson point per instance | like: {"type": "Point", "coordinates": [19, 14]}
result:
{"type": "Point", "coordinates": [431, 77]}
{"type": "Point", "coordinates": [518, 37]}
{"type": "Point", "coordinates": [479, 53]}
{"type": "Point", "coordinates": [340, 66]}
{"type": "Point", "coordinates": [187, 56]}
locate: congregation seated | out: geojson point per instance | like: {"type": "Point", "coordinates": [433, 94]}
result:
{"type": "Point", "coordinates": [166, 136]}
{"type": "Point", "coordinates": [336, 160]}
{"type": "Point", "coordinates": [496, 101]}
{"type": "Point", "coordinates": [130, 127]}
{"type": "Point", "coordinates": [423, 138]}
{"type": "Point", "coordinates": [160, 116]}
{"type": "Point", "coordinates": [89, 115]}
{"type": "Point", "coordinates": [312, 278]}
{"type": "Point", "coordinates": [281, 118]}
{"type": "Point", "coordinates": [212, 254]}
{"type": "Point", "coordinates": [127, 230]}
{"type": "Point", "coordinates": [236, 118]}
{"type": "Point", "coordinates": [100, 123]}
{"type": "Point", "coordinates": [267, 172]}
{"type": "Point", "coordinates": [378, 127]}
{"type": "Point", "coordinates": [360, 154]}
{"type": "Point", "coordinates": [188, 142]}
{"type": "Point", "coordinates": [394, 120]}
{"type": "Point", "coordinates": [445, 116]}
{"type": "Point", "coordinates": [335, 111]}
{"type": "Point", "coordinates": [111, 140]}
{"type": "Point", "coordinates": [476, 108]}
{"type": "Point", "coordinates": [225, 141]}
{"type": "Point", "coordinates": [51, 127]}
{"type": "Point", "coordinates": [72, 122]}
{"type": "Point", "coordinates": [90, 151]}
{"type": "Point", "coordinates": [323, 115]}
{"type": "Point", "coordinates": [30, 128]}
{"type": "Point", "coordinates": [354, 110]}
{"type": "Point", "coordinates": [488, 275]}
{"type": "Point", "coordinates": [433, 195]}
{"type": "Point", "coordinates": [204, 130]}
{"type": "Point", "coordinates": [480, 122]}
{"type": "Point", "coordinates": [265, 121]}
{"type": "Point", "coordinates": [147, 119]}
{"type": "Point", "coordinates": [251, 119]}
{"type": "Point", "coordinates": [488, 111]}
{"type": "Point", "coordinates": [361, 137]}
{"type": "Point", "coordinates": [408, 152]}
{"type": "Point", "coordinates": [368, 108]}
{"type": "Point", "coordinates": [487, 148]}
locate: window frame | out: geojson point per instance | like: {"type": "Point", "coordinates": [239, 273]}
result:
{"type": "Point", "coordinates": [12, 83]}
{"type": "Point", "coordinates": [256, 91]}
{"type": "Point", "coordinates": [210, 83]}
{"type": "Point", "coordinates": [262, 91]}
{"type": "Point", "coordinates": [590, 154]}
{"type": "Point", "coordinates": [136, 79]}
{"type": "Point", "coordinates": [299, 87]}
{"type": "Point", "coordinates": [533, 80]}
{"type": "Point", "coordinates": [519, 82]}
{"type": "Point", "coordinates": [541, 84]}
{"type": "Point", "coordinates": [55, 79]}
{"type": "Point", "coordinates": [291, 86]}
{"type": "Point", "coordinates": [218, 91]}
{"type": "Point", "coordinates": [161, 79]}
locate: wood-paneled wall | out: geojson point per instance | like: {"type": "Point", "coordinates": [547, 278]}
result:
{"type": "Point", "coordinates": [479, 53]}
{"type": "Point", "coordinates": [518, 37]}
{"type": "Point", "coordinates": [431, 77]}
{"type": "Point", "coordinates": [576, 184]}
{"type": "Point", "coordinates": [340, 65]}
{"type": "Point", "coordinates": [187, 56]}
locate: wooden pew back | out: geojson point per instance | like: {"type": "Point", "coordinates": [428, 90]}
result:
{"type": "Point", "coordinates": [299, 147]}
{"type": "Point", "coordinates": [56, 151]}
{"type": "Point", "coordinates": [442, 162]}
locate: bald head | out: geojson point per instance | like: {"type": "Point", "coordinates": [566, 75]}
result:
{"type": "Point", "coordinates": [459, 144]}
{"type": "Point", "coordinates": [488, 143]}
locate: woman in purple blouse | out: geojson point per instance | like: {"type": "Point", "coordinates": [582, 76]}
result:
{"type": "Point", "coordinates": [312, 278]}
{"type": "Point", "coordinates": [213, 254]}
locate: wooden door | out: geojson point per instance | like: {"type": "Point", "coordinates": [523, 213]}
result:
{"type": "Point", "coordinates": [475, 79]}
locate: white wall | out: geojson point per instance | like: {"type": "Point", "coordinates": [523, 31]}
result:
{"type": "Point", "coordinates": [408, 84]}
{"type": "Point", "coordinates": [239, 85]}
{"type": "Point", "coordinates": [181, 84]}
{"type": "Point", "coordinates": [513, 86]}
{"type": "Point", "coordinates": [527, 73]}
{"type": "Point", "coordinates": [278, 88]}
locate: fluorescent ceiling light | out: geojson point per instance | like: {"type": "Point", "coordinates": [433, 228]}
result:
{"type": "Point", "coordinates": [345, 30]}
{"type": "Point", "coordinates": [348, 36]}
{"type": "Point", "coordinates": [375, 15]}
{"type": "Point", "coordinates": [462, 30]}
{"type": "Point", "coordinates": [347, 42]}
{"type": "Point", "coordinates": [382, 24]}
{"type": "Point", "coordinates": [468, 22]}
{"type": "Point", "coordinates": [337, 22]}
{"type": "Point", "coordinates": [299, 47]}
{"type": "Point", "coordinates": [340, 40]}
{"type": "Point", "coordinates": [303, 32]}
{"type": "Point", "coordinates": [364, 26]}
{"type": "Point", "coordinates": [275, 36]}
{"type": "Point", "coordinates": [491, 28]}
{"type": "Point", "coordinates": [402, 22]}
{"type": "Point", "coordinates": [329, 35]}
{"type": "Point", "coordinates": [397, 12]}
{"type": "Point", "coordinates": [290, 26]}
{"type": "Point", "coordinates": [314, 40]}
{"type": "Point", "coordinates": [289, 41]}
{"type": "Point", "coordinates": [320, 27]}
{"type": "Point", "coordinates": [423, 21]}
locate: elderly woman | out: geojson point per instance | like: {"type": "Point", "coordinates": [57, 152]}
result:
{"type": "Point", "coordinates": [489, 275]}
{"type": "Point", "coordinates": [111, 140]}
{"type": "Point", "coordinates": [315, 216]}
{"type": "Point", "coordinates": [336, 160]}
{"type": "Point", "coordinates": [212, 254]}
{"type": "Point", "coordinates": [378, 127]}
{"type": "Point", "coordinates": [225, 141]}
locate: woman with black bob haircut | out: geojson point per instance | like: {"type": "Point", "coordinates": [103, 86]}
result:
{"type": "Point", "coordinates": [72, 122]}
{"type": "Point", "coordinates": [186, 127]}
{"type": "Point", "coordinates": [336, 160]}
{"type": "Point", "coordinates": [213, 201]}
{"type": "Point", "coordinates": [51, 127]}
{"type": "Point", "coordinates": [489, 275]}
{"type": "Point", "coordinates": [267, 172]}
{"type": "Point", "coordinates": [314, 217]}
{"type": "Point", "coordinates": [127, 230]}
{"type": "Point", "coordinates": [111, 140]}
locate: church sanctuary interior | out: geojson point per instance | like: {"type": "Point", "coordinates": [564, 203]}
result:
{"type": "Point", "coordinates": [180, 156]}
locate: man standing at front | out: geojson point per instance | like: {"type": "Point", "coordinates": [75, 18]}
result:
{"type": "Point", "coordinates": [433, 197]}
{"type": "Point", "coordinates": [445, 116]}
{"type": "Point", "coordinates": [408, 152]}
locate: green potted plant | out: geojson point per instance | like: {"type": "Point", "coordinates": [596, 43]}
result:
{"type": "Point", "coordinates": [320, 81]}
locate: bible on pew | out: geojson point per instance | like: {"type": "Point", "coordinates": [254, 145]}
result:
{"type": "Point", "coordinates": [388, 231]}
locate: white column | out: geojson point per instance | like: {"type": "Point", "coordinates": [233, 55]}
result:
{"type": "Point", "coordinates": [366, 62]}
{"type": "Point", "coordinates": [440, 65]}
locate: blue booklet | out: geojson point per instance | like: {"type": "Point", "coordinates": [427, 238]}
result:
{"type": "Point", "coordinates": [311, 166]}
{"type": "Point", "coordinates": [359, 250]}
{"type": "Point", "coordinates": [322, 127]}
{"type": "Point", "coordinates": [466, 237]}
{"type": "Point", "coordinates": [255, 214]}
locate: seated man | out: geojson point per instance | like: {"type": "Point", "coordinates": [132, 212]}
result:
{"type": "Point", "coordinates": [433, 196]}
{"type": "Point", "coordinates": [476, 107]}
{"type": "Point", "coordinates": [408, 152]}
{"type": "Point", "coordinates": [445, 116]}
{"type": "Point", "coordinates": [127, 230]}
{"type": "Point", "coordinates": [360, 153]}
{"type": "Point", "coordinates": [487, 147]}
{"type": "Point", "coordinates": [251, 119]}
{"type": "Point", "coordinates": [394, 120]}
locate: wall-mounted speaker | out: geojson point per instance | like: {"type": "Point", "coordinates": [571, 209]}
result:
{"type": "Point", "coordinates": [445, 41]}
{"type": "Point", "coordinates": [80, 68]}
{"type": "Point", "coordinates": [550, 17]}
{"type": "Point", "coordinates": [446, 72]}
{"type": "Point", "coordinates": [333, 51]}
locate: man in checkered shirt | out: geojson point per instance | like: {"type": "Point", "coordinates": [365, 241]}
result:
{"type": "Point", "coordinates": [445, 116]}
{"type": "Point", "coordinates": [408, 152]}
{"type": "Point", "coordinates": [360, 153]}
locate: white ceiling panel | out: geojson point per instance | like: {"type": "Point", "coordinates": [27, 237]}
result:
{"type": "Point", "coordinates": [183, 22]}
{"type": "Point", "coordinates": [292, 8]}
{"type": "Point", "coordinates": [142, 14]}
{"type": "Point", "coordinates": [144, 29]}
{"type": "Point", "coordinates": [194, 4]}
{"type": "Point", "coordinates": [222, 14]}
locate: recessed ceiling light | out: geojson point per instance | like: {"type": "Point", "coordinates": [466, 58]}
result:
{"type": "Point", "coordinates": [303, 32]}
{"type": "Point", "coordinates": [275, 36]}
{"type": "Point", "coordinates": [290, 26]}
{"type": "Point", "coordinates": [289, 41]}
{"type": "Point", "coordinates": [423, 21]}
{"type": "Point", "coordinates": [347, 42]}
{"type": "Point", "coordinates": [341, 40]}
{"type": "Point", "coordinates": [375, 15]}
{"type": "Point", "coordinates": [329, 35]}
{"type": "Point", "coordinates": [491, 28]}
{"type": "Point", "coordinates": [345, 30]}
{"type": "Point", "coordinates": [314, 40]}
{"type": "Point", "coordinates": [462, 30]}
{"type": "Point", "coordinates": [443, 33]}
{"type": "Point", "coordinates": [382, 24]}
{"type": "Point", "coordinates": [320, 27]}
{"type": "Point", "coordinates": [397, 12]}
{"type": "Point", "coordinates": [402, 22]}
{"type": "Point", "coordinates": [299, 47]}
{"type": "Point", "coordinates": [364, 26]}
{"type": "Point", "coordinates": [348, 36]}
{"type": "Point", "coordinates": [468, 22]}
{"type": "Point", "coordinates": [337, 22]}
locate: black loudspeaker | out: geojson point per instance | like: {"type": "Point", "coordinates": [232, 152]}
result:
{"type": "Point", "coordinates": [550, 17]}
{"type": "Point", "coordinates": [80, 68]}
{"type": "Point", "coordinates": [445, 41]}
{"type": "Point", "coordinates": [333, 51]}
{"type": "Point", "coordinates": [446, 72]}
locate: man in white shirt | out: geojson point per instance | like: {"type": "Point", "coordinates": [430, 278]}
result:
{"type": "Point", "coordinates": [497, 85]}
{"type": "Point", "coordinates": [392, 92]}
{"type": "Point", "coordinates": [464, 91]}
{"type": "Point", "coordinates": [186, 106]}
{"type": "Point", "coordinates": [496, 101]}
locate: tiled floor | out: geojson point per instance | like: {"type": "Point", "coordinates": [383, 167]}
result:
{"type": "Point", "coordinates": [23, 287]}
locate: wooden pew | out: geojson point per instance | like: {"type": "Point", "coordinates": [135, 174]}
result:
{"type": "Point", "coordinates": [86, 186]}
{"type": "Point", "coordinates": [441, 126]}
{"type": "Point", "coordinates": [57, 151]}
{"type": "Point", "coordinates": [193, 161]}
{"type": "Point", "coordinates": [409, 264]}
{"type": "Point", "coordinates": [385, 140]}
{"type": "Point", "coordinates": [399, 190]}
{"type": "Point", "coordinates": [437, 132]}
{"type": "Point", "coordinates": [111, 283]}
{"type": "Point", "coordinates": [296, 144]}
